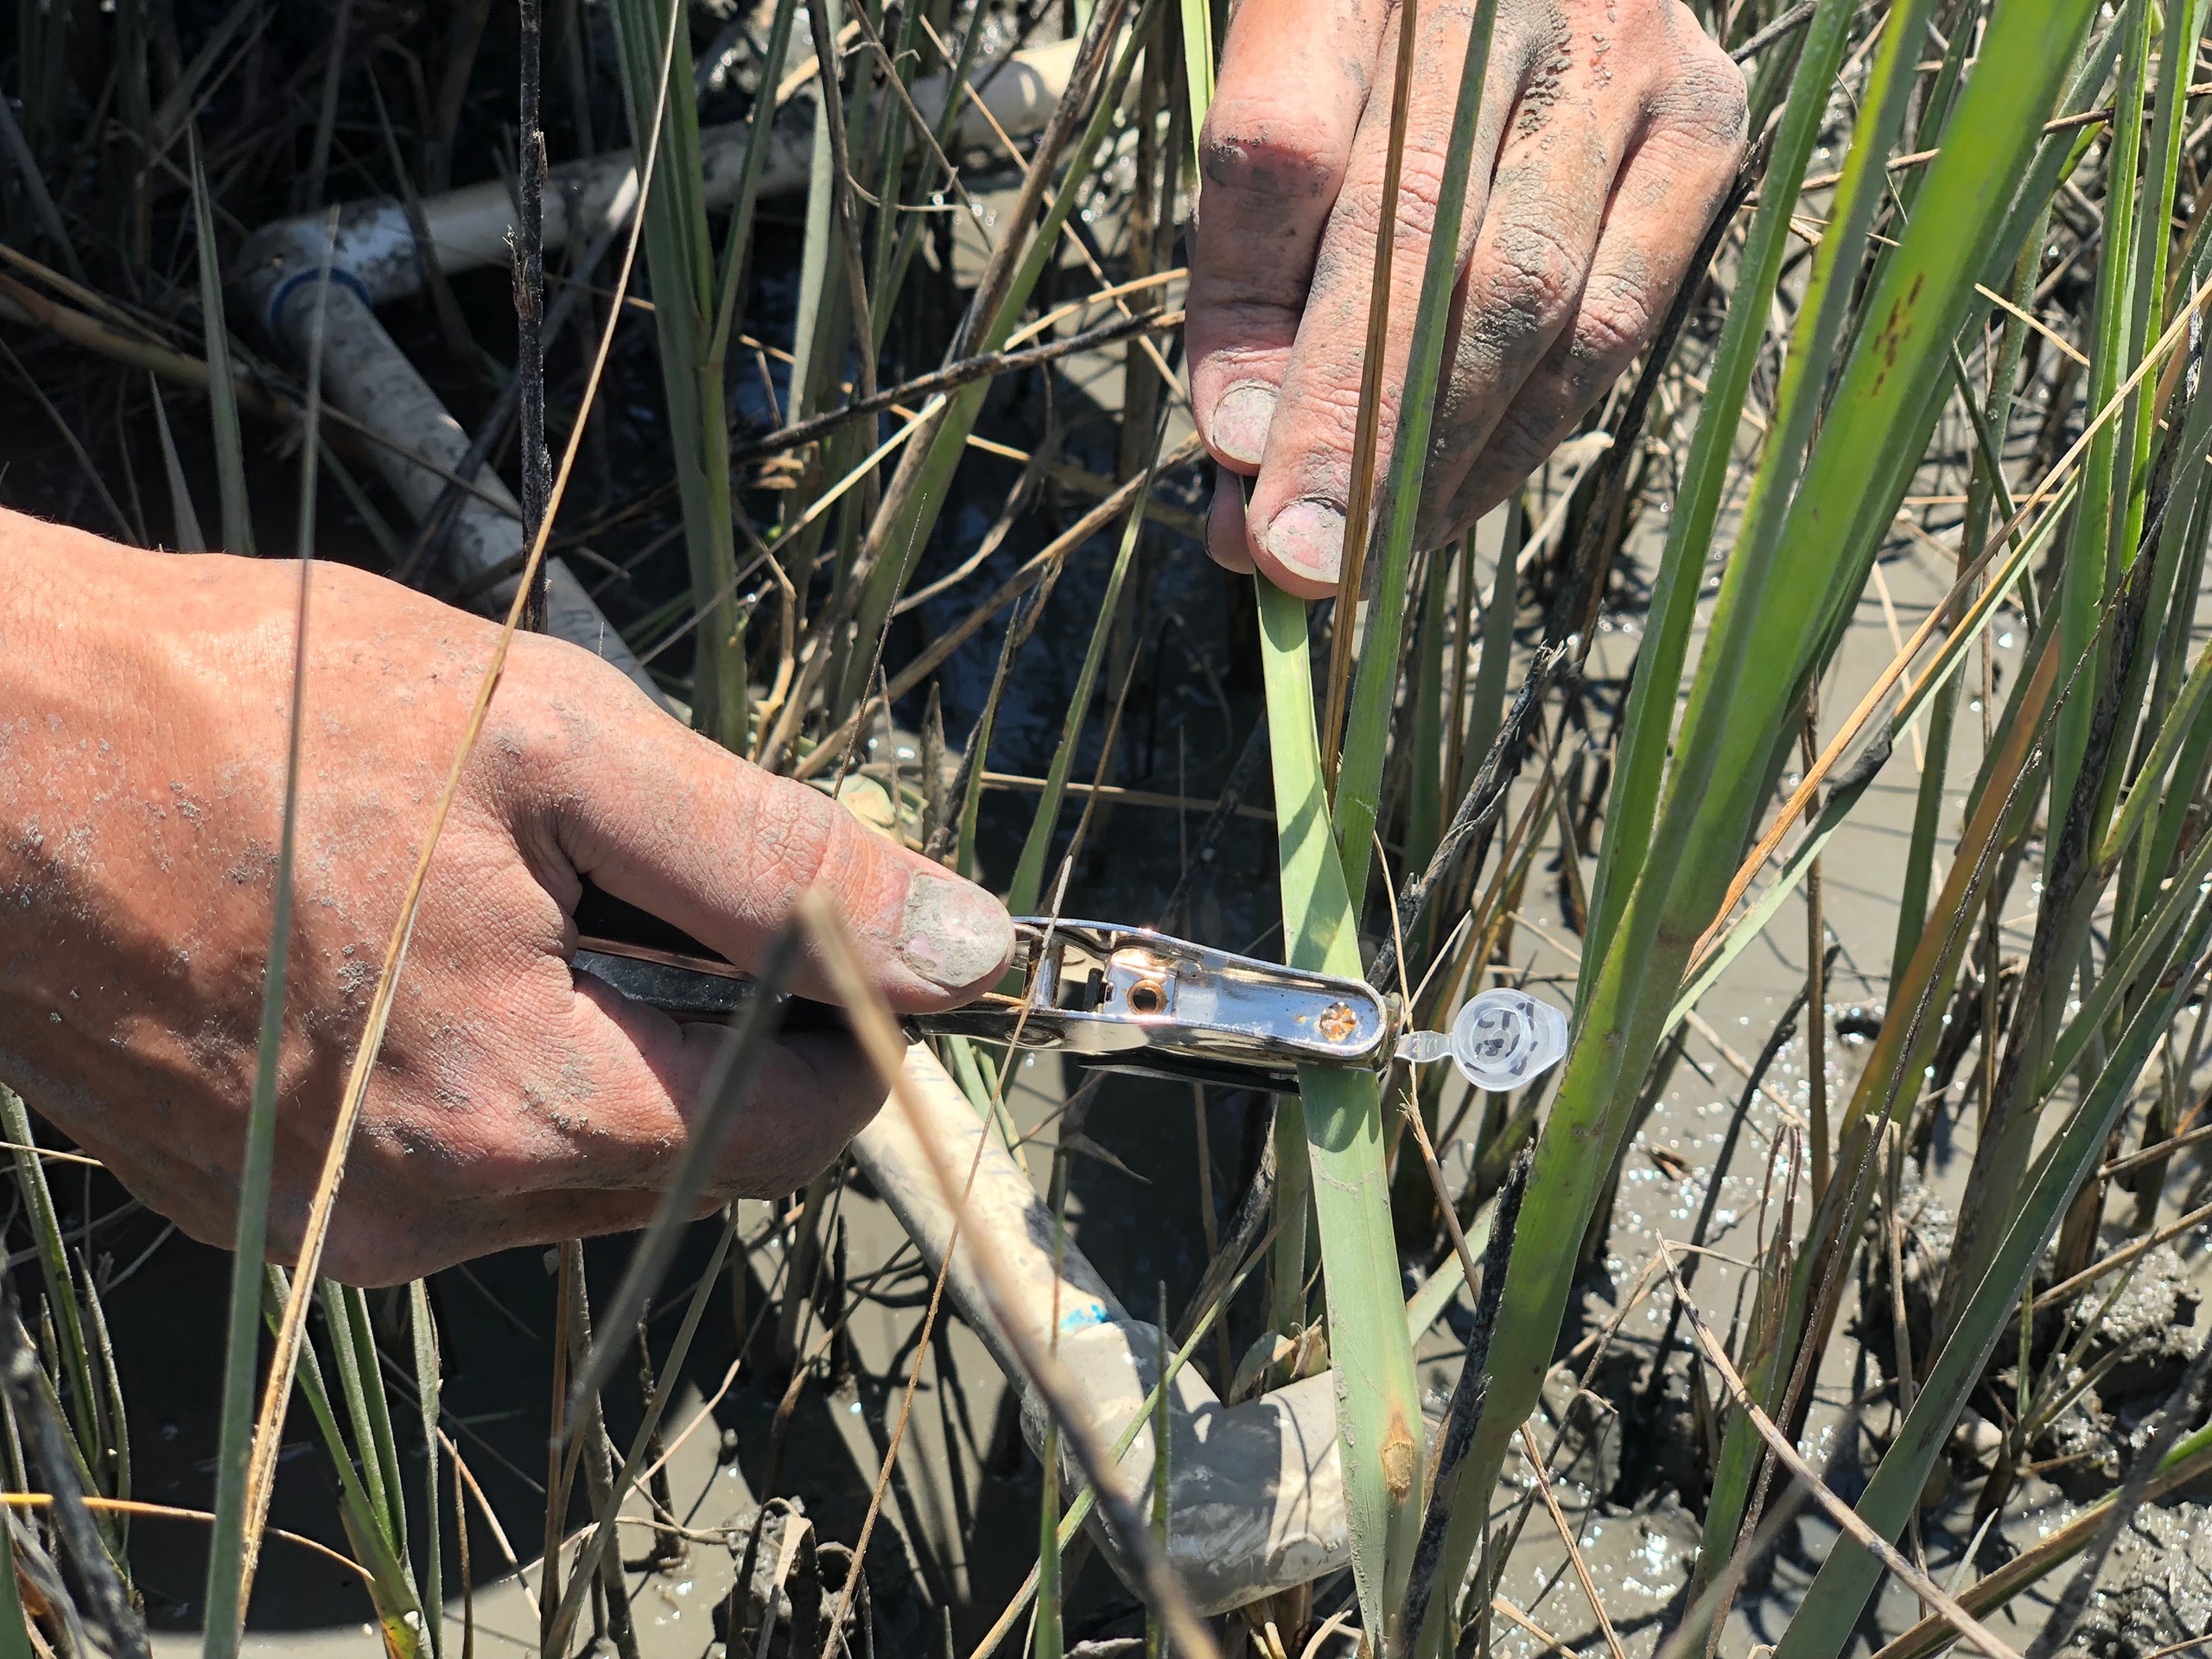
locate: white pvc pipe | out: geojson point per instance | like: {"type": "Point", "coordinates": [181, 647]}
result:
{"type": "Point", "coordinates": [1255, 1491]}
{"type": "Point", "coordinates": [474, 227]}
{"type": "Point", "coordinates": [366, 374]}
{"type": "Point", "coordinates": [374, 258]}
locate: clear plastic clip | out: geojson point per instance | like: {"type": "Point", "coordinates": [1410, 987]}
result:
{"type": "Point", "coordinates": [1502, 1040]}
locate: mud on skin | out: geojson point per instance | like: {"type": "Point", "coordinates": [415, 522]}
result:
{"type": "Point", "coordinates": [142, 782]}
{"type": "Point", "coordinates": [1608, 136]}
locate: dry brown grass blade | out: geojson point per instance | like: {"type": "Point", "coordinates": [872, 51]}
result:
{"type": "Point", "coordinates": [1849, 732]}
{"type": "Point", "coordinates": [921, 1348]}
{"type": "Point", "coordinates": [1930, 1593]}
{"type": "Point", "coordinates": [1359, 507]}
{"type": "Point", "coordinates": [878, 1034]}
{"type": "Point", "coordinates": [1993, 1590]}
{"type": "Point", "coordinates": [261, 1470]}
{"type": "Point", "coordinates": [2066, 1289]}
{"type": "Point", "coordinates": [171, 1512]}
{"type": "Point", "coordinates": [1566, 1536]}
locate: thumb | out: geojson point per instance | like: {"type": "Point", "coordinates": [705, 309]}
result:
{"type": "Point", "coordinates": [668, 821]}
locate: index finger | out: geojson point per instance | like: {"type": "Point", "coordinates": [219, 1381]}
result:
{"type": "Point", "coordinates": [1295, 75]}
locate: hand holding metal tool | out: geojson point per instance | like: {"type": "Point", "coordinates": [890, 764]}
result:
{"type": "Point", "coordinates": [1123, 999]}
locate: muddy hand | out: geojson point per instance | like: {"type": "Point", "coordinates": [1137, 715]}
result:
{"type": "Point", "coordinates": [144, 713]}
{"type": "Point", "coordinates": [1608, 132]}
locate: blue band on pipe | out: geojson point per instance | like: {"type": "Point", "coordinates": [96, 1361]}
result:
{"type": "Point", "coordinates": [299, 279]}
{"type": "Point", "coordinates": [1084, 1318]}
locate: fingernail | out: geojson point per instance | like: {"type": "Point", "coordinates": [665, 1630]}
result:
{"type": "Point", "coordinates": [1240, 421]}
{"type": "Point", "coordinates": [954, 934]}
{"type": "Point", "coordinates": [1309, 537]}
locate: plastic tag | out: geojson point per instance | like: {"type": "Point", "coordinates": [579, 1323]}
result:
{"type": "Point", "coordinates": [1502, 1040]}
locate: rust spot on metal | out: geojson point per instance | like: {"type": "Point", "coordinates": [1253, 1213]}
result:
{"type": "Point", "coordinates": [1337, 1023]}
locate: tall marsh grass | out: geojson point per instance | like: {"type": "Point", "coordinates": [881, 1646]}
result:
{"type": "Point", "coordinates": [1955, 308]}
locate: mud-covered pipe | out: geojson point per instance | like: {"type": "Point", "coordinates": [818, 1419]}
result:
{"type": "Point", "coordinates": [1255, 1491]}
{"type": "Point", "coordinates": [474, 227]}
{"type": "Point", "coordinates": [375, 258]}
{"type": "Point", "coordinates": [365, 373]}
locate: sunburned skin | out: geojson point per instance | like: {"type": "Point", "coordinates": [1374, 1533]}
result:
{"type": "Point", "coordinates": [1608, 136]}
{"type": "Point", "coordinates": [146, 703]}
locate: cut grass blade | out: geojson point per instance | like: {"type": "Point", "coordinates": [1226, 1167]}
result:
{"type": "Point", "coordinates": [189, 537]}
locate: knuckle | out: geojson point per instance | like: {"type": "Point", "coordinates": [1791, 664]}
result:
{"type": "Point", "coordinates": [1414, 216]}
{"type": "Point", "coordinates": [1237, 306]}
{"type": "Point", "coordinates": [1533, 278]}
{"type": "Point", "coordinates": [1270, 147]}
{"type": "Point", "coordinates": [1615, 320]}
{"type": "Point", "coordinates": [796, 833]}
{"type": "Point", "coordinates": [1703, 92]}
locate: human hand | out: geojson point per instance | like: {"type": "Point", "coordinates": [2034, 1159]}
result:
{"type": "Point", "coordinates": [1608, 132]}
{"type": "Point", "coordinates": [144, 703]}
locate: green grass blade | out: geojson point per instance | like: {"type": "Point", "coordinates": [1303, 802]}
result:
{"type": "Point", "coordinates": [399, 1614]}
{"type": "Point", "coordinates": [1378, 1407]}
{"type": "Point", "coordinates": [116, 1454]}
{"type": "Point", "coordinates": [2152, 243]}
{"type": "Point", "coordinates": [1488, 714]}
{"type": "Point", "coordinates": [428, 1380]}
{"type": "Point", "coordinates": [222, 388]}
{"type": "Point", "coordinates": [15, 1634]}
{"type": "Point", "coordinates": [979, 753]}
{"type": "Point", "coordinates": [737, 241]}
{"type": "Point", "coordinates": [680, 258]}
{"type": "Point", "coordinates": [1648, 727]}
{"type": "Point", "coordinates": [61, 1285]}
{"type": "Point", "coordinates": [1197, 17]}
{"type": "Point", "coordinates": [2084, 580]}
{"type": "Point", "coordinates": [1155, 1633]}
{"type": "Point", "coordinates": [352, 1353]}
{"type": "Point", "coordinates": [228, 1549]}
{"type": "Point", "coordinates": [1424, 808]}
{"type": "Point", "coordinates": [1049, 1643]}
{"type": "Point", "coordinates": [2127, 970]}
{"type": "Point", "coordinates": [817, 251]}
